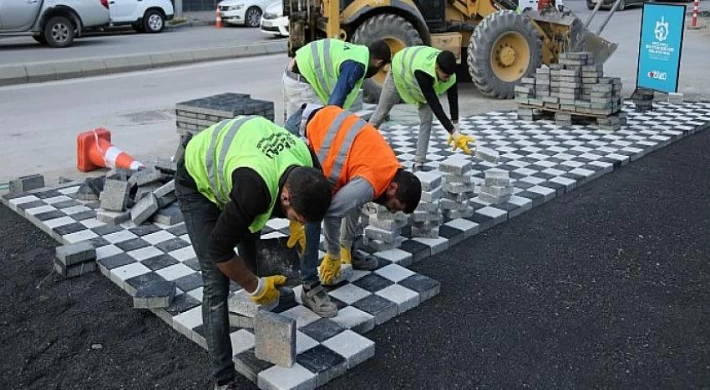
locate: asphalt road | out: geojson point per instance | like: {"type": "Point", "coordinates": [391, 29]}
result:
{"type": "Point", "coordinates": [604, 287]}
{"type": "Point", "coordinates": [25, 49]}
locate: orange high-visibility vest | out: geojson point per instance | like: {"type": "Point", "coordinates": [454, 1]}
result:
{"type": "Point", "coordinates": [348, 147]}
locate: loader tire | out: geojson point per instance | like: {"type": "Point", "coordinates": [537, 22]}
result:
{"type": "Point", "coordinates": [397, 32]}
{"type": "Point", "coordinates": [504, 48]}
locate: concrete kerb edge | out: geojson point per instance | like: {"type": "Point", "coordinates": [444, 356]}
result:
{"type": "Point", "coordinates": [39, 72]}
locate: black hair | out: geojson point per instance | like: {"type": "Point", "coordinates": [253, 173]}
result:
{"type": "Point", "coordinates": [409, 189]}
{"type": "Point", "coordinates": [381, 51]}
{"type": "Point", "coordinates": [310, 193]}
{"type": "Point", "coordinates": [447, 62]}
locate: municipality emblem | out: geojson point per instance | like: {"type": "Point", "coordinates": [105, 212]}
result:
{"type": "Point", "coordinates": [661, 30]}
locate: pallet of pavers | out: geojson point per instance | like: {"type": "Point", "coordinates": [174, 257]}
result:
{"type": "Point", "coordinates": [574, 90]}
{"type": "Point", "coordinates": [196, 115]}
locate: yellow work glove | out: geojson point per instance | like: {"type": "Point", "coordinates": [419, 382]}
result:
{"type": "Point", "coordinates": [345, 255]}
{"type": "Point", "coordinates": [329, 269]}
{"type": "Point", "coordinates": [297, 234]}
{"type": "Point", "coordinates": [460, 141]}
{"type": "Point", "coordinates": [266, 292]}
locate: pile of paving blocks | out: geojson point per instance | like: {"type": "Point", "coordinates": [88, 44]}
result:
{"type": "Point", "coordinates": [196, 115]}
{"type": "Point", "coordinates": [458, 188]}
{"type": "Point", "coordinates": [643, 100]}
{"type": "Point", "coordinates": [427, 217]}
{"type": "Point", "coordinates": [384, 229]}
{"type": "Point", "coordinates": [574, 87]}
{"type": "Point", "coordinates": [123, 195]}
{"type": "Point", "coordinates": [75, 259]}
{"type": "Point", "coordinates": [497, 188]}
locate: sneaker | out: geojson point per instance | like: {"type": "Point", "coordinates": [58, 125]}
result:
{"type": "Point", "coordinates": [318, 301]}
{"type": "Point", "coordinates": [231, 385]}
{"type": "Point", "coordinates": [363, 261]}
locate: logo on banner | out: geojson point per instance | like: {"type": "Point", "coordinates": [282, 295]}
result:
{"type": "Point", "coordinates": [658, 75]}
{"type": "Point", "coordinates": [661, 30]}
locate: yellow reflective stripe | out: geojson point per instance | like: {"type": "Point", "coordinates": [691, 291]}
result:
{"type": "Point", "coordinates": [344, 151]}
{"type": "Point", "coordinates": [330, 136]}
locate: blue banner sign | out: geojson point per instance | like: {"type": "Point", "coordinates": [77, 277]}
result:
{"type": "Point", "coordinates": [662, 27]}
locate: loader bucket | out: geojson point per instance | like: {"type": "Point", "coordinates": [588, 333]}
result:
{"type": "Point", "coordinates": [578, 37]}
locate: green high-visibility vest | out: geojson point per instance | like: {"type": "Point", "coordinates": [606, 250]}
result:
{"type": "Point", "coordinates": [409, 60]}
{"type": "Point", "coordinates": [245, 141]}
{"type": "Point", "coordinates": [319, 62]}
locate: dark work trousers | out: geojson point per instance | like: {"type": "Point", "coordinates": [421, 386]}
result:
{"type": "Point", "coordinates": [201, 215]}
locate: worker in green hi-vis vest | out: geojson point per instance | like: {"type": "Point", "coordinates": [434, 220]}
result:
{"type": "Point", "coordinates": [331, 72]}
{"type": "Point", "coordinates": [418, 75]}
{"type": "Point", "coordinates": [234, 177]}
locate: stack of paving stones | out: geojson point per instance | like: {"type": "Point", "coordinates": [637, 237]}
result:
{"type": "Point", "coordinates": [497, 188]}
{"type": "Point", "coordinates": [75, 259]}
{"type": "Point", "coordinates": [384, 229]}
{"type": "Point", "coordinates": [458, 188]}
{"type": "Point", "coordinates": [140, 196]}
{"type": "Point", "coordinates": [427, 217]}
{"type": "Point", "coordinates": [643, 100]}
{"type": "Point", "coordinates": [573, 88]}
{"type": "Point", "coordinates": [196, 115]}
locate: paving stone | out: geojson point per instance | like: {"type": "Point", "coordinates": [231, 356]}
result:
{"type": "Point", "coordinates": [324, 363]}
{"type": "Point", "coordinates": [433, 195]}
{"type": "Point", "coordinates": [114, 197]}
{"type": "Point", "coordinates": [145, 190]}
{"type": "Point", "coordinates": [153, 295]}
{"type": "Point", "coordinates": [458, 188]}
{"type": "Point", "coordinates": [455, 166]}
{"type": "Point", "coordinates": [144, 176]}
{"type": "Point", "coordinates": [132, 244]}
{"type": "Point", "coordinates": [404, 298]}
{"type": "Point", "coordinates": [429, 180]}
{"type": "Point", "coordinates": [169, 215]}
{"type": "Point", "coordinates": [487, 154]}
{"type": "Point", "coordinates": [75, 253]}
{"type": "Point", "coordinates": [74, 270]}
{"type": "Point", "coordinates": [373, 283]}
{"type": "Point", "coordinates": [166, 194]}
{"type": "Point", "coordinates": [425, 286]}
{"type": "Point", "coordinates": [374, 233]}
{"type": "Point", "coordinates": [352, 346]}
{"type": "Point", "coordinates": [172, 245]}
{"type": "Point", "coordinates": [248, 365]}
{"type": "Point", "coordinates": [188, 282]}
{"type": "Point", "coordinates": [144, 209]}
{"type": "Point", "coordinates": [241, 321]}
{"type": "Point", "coordinates": [241, 303]}
{"type": "Point", "coordinates": [275, 338]}
{"type": "Point", "coordinates": [115, 261]}
{"type": "Point", "coordinates": [382, 309]}
{"type": "Point", "coordinates": [26, 183]}
{"type": "Point", "coordinates": [113, 217]}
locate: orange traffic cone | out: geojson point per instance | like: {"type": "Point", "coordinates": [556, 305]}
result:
{"type": "Point", "coordinates": [94, 150]}
{"type": "Point", "coordinates": [218, 22]}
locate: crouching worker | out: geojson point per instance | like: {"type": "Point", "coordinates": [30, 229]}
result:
{"type": "Point", "coordinates": [234, 177]}
{"type": "Point", "coordinates": [361, 165]}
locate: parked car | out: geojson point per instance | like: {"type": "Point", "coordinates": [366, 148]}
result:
{"type": "Point", "coordinates": [54, 22]}
{"type": "Point", "coordinates": [243, 12]}
{"type": "Point", "coordinates": [143, 15]}
{"type": "Point", "coordinates": [273, 22]}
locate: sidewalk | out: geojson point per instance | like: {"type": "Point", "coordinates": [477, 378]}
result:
{"type": "Point", "coordinates": [36, 72]}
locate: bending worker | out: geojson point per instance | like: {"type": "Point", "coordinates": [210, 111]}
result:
{"type": "Point", "coordinates": [331, 71]}
{"type": "Point", "coordinates": [363, 168]}
{"type": "Point", "coordinates": [418, 75]}
{"type": "Point", "coordinates": [234, 177]}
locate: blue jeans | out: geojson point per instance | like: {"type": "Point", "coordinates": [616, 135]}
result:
{"type": "Point", "coordinates": [200, 218]}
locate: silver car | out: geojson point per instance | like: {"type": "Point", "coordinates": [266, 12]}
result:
{"type": "Point", "coordinates": [54, 22]}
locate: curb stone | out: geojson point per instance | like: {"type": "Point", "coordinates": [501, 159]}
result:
{"type": "Point", "coordinates": [37, 72]}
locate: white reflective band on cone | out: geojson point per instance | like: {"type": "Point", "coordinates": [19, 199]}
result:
{"type": "Point", "coordinates": [111, 155]}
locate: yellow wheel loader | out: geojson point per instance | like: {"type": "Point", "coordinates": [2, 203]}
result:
{"type": "Point", "coordinates": [499, 43]}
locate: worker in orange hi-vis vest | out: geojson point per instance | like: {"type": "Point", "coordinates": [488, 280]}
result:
{"type": "Point", "coordinates": [362, 168]}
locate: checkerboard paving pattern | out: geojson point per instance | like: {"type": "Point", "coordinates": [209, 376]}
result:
{"type": "Point", "coordinates": [544, 160]}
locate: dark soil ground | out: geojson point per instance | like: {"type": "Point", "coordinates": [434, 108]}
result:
{"type": "Point", "coordinates": [604, 287]}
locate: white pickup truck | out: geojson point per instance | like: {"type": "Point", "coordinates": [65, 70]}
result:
{"type": "Point", "coordinates": [143, 15]}
{"type": "Point", "coordinates": [54, 22]}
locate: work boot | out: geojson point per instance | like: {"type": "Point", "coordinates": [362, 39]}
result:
{"type": "Point", "coordinates": [360, 259]}
{"type": "Point", "coordinates": [316, 299]}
